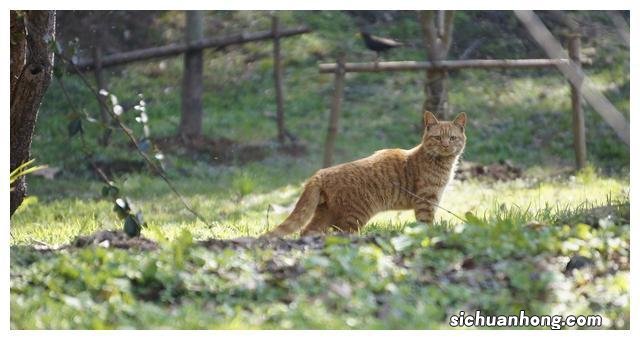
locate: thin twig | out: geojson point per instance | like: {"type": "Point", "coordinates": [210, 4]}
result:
{"type": "Point", "coordinates": [84, 147]}
{"type": "Point", "coordinates": [435, 204]}
{"type": "Point", "coordinates": [133, 140]}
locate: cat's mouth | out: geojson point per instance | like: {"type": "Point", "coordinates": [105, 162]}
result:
{"type": "Point", "coordinates": [447, 151]}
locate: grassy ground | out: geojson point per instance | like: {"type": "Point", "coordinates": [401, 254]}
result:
{"type": "Point", "coordinates": [546, 261]}
{"type": "Point", "coordinates": [510, 253]}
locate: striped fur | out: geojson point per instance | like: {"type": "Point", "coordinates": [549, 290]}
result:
{"type": "Point", "coordinates": [346, 196]}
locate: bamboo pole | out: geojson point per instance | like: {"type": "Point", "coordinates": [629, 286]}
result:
{"type": "Point", "coordinates": [334, 116]}
{"type": "Point", "coordinates": [579, 138]}
{"type": "Point", "coordinates": [179, 48]}
{"type": "Point", "coordinates": [277, 78]}
{"type": "Point", "coordinates": [391, 66]}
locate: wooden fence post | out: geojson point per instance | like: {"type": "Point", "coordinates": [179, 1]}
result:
{"type": "Point", "coordinates": [579, 138]}
{"type": "Point", "coordinates": [191, 118]}
{"type": "Point", "coordinates": [332, 131]}
{"type": "Point", "coordinates": [277, 77]}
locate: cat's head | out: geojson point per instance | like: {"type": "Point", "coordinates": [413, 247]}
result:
{"type": "Point", "coordinates": [444, 138]}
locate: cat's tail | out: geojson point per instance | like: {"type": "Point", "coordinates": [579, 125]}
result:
{"type": "Point", "coordinates": [305, 207]}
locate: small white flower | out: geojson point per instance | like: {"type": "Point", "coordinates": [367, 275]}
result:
{"type": "Point", "coordinates": [103, 92]}
{"type": "Point", "coordinates": [117, 109]}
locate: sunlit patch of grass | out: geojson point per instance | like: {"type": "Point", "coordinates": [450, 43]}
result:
{"type": "Point", "coordinates": [233, 212]}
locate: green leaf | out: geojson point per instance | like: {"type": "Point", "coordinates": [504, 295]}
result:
{"type": "Point", "coordinates": [74, 127]}
{"type": "Point", "coordinates": [583, 231]}
{"type": "Point", "coordinates": [335, 240]}
{"type": "Point", "coordinates": [425, 242]}
{"type": "Point", "coordinates": [132, 226]}
{"type": "Point", "coordinates": [58, 71]}
{"type": "Point", "coordinates": [110, 190]}
{"type": "Point", "coordinates": [24, 169]}
{"type": "Point", "coordinates": [150, 270]}
{"type": "Point", "coordinates": [473, 219]}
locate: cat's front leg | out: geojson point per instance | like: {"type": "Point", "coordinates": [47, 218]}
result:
{"type": "Point", "coordinates": [424, 213]}
{"type": "Point", "coordinates": [425, 205]}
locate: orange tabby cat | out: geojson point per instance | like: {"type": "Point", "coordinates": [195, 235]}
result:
{"type": "Point", "coordinates": [346, 196]}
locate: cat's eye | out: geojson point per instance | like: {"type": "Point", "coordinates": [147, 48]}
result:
{"type": "Point", "coordinates": [452, 138]}
{"type": "Point", "coordinates": [437, 137]}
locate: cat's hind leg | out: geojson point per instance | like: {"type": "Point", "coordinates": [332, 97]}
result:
{"type": "Point", "coordinates": [350, 223]}
{"type": "Point", "coordinates": [319, 223]}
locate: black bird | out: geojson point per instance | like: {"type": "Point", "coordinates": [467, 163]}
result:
{"type": "Point", "coordinates": [378, 44]}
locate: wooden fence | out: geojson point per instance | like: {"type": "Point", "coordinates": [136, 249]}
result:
{"type": "Point", "coordinates": [99, 62]}
{"type": "Point", "coordinates": [340, 68]}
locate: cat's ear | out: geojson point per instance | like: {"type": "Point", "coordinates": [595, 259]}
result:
{"type": "Point", "coordinates": [461, 120]}
{"type": "Point", "coordinates": [429, 119]}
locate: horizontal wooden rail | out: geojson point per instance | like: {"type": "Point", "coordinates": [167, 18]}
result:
{"type": "Point", "coordinates": [179, 48]}
{"type": "Point", "coordinates": [392, 66]}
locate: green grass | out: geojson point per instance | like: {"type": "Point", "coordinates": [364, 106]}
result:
{"type": "Point", "coordinates": [415, 277]}
{"type": "Point", "coordinates": [519, 234]}
{"type": "Point", "coordinates": [237, 201]}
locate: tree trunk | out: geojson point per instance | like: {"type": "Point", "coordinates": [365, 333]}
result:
{"type": "Point", "coordinates": [436, 93]}
{"type": "Point", "coordinates": [31, 67]}
{"type": "Point", "coordinates": [437, 28]}
{"type": "Point", "coordinates": [277, 78]}
{"type": "Point", "coordinates": [191, 120]}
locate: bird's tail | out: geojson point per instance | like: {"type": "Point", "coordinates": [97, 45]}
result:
{"type": "Point", "coordinates": [305, 207]}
